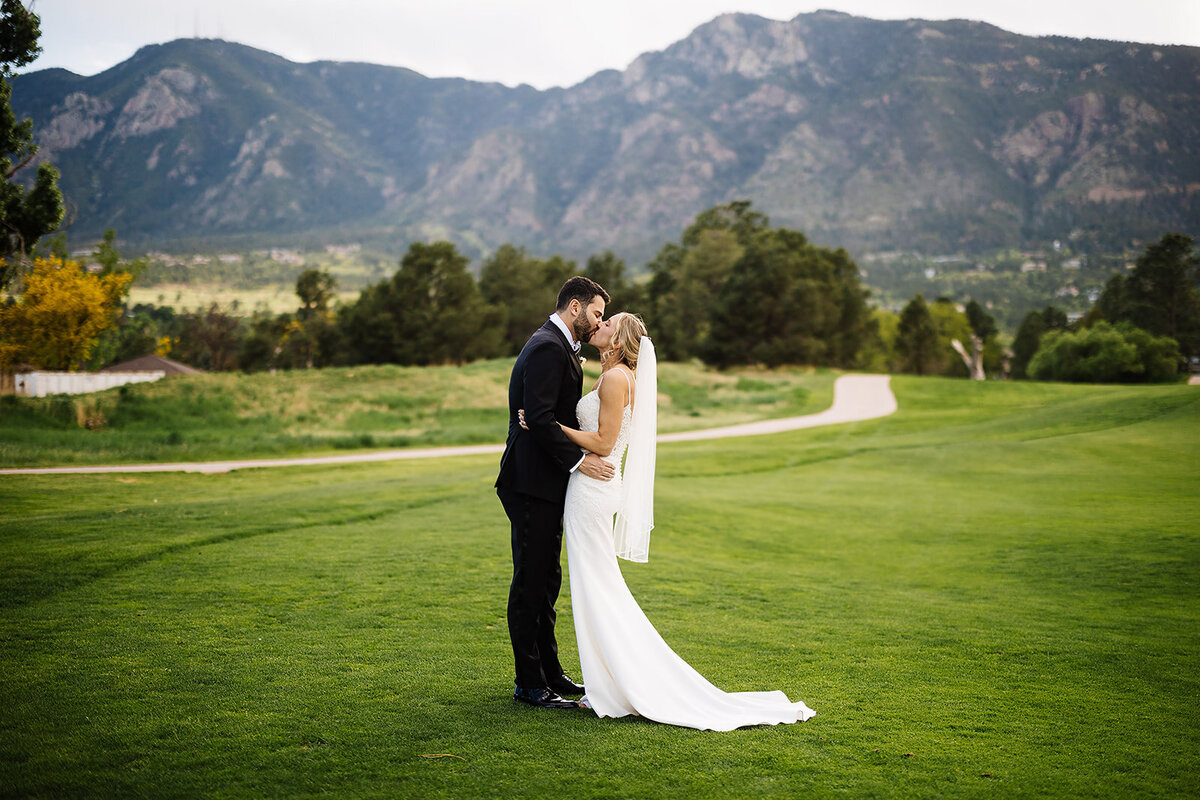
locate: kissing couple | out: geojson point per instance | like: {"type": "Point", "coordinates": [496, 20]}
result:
{"type": "Point", "coordinates": [561, 470]}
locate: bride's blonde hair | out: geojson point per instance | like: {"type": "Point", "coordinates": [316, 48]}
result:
{"type": "Point", "coordinates": [628, 330]}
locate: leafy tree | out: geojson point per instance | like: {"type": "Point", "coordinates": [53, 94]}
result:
{"type": "Point", "coordinates": [686, 277]}
{"type": "Point", "coordinates": [522, 290]}
{"type": "Point", "coordinates": [734, 290]}
{"type": "Point", "coordinates": [297, 346]}
{"type": "Point", "coordinates": [59, 317]}
{"type": "Point", "coordinates": [315, 289]}
{"type": "Point", "coordinates": [986, 349]}
{"type": "Point", "coordinates": [25, 216]}
{"type": "Point", "coordinates": [259, 348]}
{"type": "Point", "coordinates": [1105, 353]}
{"type": "Point", "coordinates": [786, 301]}
{"type": "Point", "coordinates": [1113, 303]}
{"type": "Point", "coordinates": [917, 341]}
{"type": "Point", "coordinates": [141, 331]}
{"type": "Point", "coordinates": [982, 323]}
{"type": "Point", "coordinates": [430, 312]}
{"type": "Point", "coordinates": [877, 353]}
{"type": "Point", "coordinates": [120, 342]}
{"type": "Point", "coordinates": [313, 338]}
{"type": "Point", "coordinates": [209, 339]}
{"type": "Point", "coordinates": [952, 325]}
{"type": "Point", "coordinates": [609, 271]}
{"type": "Point", "coordinates": [736, 217]}
{"type": "Point", "coordinates": [109, 257]}
{"type": "Point", "coordinates": [1025, 344]}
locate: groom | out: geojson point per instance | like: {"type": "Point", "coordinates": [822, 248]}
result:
{"type": "Point", "coordinates": [547, 381]}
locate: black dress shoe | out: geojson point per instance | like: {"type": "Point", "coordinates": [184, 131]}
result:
{"type": "Point", "coordinates": [564, 685]}
{"type": "Point", "coordinates": [542, 698]}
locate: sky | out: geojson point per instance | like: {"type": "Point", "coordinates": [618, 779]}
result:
{"type": "Point", "coordinates": [540, 42]}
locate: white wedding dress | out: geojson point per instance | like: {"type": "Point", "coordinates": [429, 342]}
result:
{"type": "Point", "coordinates": [627, 667]}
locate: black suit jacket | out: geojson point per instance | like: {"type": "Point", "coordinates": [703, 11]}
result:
{"type": "Point", "coordinates": [547, 381]}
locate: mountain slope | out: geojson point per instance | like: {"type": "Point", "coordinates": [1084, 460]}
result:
{"type": "Point", "coordinates": [937, 136]}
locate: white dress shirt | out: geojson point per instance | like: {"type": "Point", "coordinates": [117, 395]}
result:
{"type": "Point", "coordinates": [562, 326]}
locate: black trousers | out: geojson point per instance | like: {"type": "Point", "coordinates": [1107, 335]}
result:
{"type": "Point", "coordinates": [537, 577]}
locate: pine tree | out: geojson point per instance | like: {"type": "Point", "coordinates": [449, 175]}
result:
{"type": "Point", "coordinates": [25, 215]}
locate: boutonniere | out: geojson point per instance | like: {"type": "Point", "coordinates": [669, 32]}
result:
{"type": "Point", "coordinates": [582, 361]}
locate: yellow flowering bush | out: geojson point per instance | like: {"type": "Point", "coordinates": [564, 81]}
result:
{"type": "Point", "coordinates": [60, 316]}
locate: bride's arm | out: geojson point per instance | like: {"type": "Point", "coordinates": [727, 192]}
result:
{"type": "Point", "coordinates": [613, 398]}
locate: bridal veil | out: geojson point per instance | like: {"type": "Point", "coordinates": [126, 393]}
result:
{"type": "Point", "coordinates": [635, 517]}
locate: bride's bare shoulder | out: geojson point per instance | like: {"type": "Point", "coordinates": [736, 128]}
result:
{"type": "Point", "coordinates": [612, 386]}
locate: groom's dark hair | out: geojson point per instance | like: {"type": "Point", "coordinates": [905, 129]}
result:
{"type": "Point", "coordinates": [581, 289]}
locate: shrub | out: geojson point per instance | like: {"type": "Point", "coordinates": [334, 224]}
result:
{"type": "Point", "coordinates": [1105, 354]}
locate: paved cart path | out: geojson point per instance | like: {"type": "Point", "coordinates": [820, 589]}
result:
{"type": "Point", "coordinates": [855, 398]}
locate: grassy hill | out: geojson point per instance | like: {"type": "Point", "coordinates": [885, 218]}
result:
{"type": "Point", "coordinates": [228, 415]}
{"type": "Point", "coordinates": [990, 593]}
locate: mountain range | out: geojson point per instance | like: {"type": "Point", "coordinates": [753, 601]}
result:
{"type": "Point", "coordinates": [937, 137]}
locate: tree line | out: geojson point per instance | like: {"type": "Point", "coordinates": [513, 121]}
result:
{"type": "Point", "coordinates": [1144, 327]}
{"type": "Point", "coordinates": [732, 291]}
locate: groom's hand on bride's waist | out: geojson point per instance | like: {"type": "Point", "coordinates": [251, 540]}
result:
{"type": "Point", "coordinates": [596, 467]}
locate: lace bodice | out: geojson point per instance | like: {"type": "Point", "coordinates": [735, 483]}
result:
{"type": "Point", "coordinates": [588, 413]}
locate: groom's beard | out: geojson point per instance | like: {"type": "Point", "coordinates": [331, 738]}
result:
{"type": "Point", "coordinates": [583, 330]}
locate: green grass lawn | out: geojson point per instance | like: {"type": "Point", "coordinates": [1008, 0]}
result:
{"type": "Point", "coordinates": [991, 593]}
{"type": "Point", "coordinates": [231, 415]}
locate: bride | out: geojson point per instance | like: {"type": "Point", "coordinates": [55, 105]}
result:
{"type": "Point", "coordinates": [627, 667]}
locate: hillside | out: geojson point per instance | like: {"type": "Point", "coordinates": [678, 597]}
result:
{"type": "Point", "coordinates": [932, 136]}
{"type": "Point", "coordinates": [219, 415]}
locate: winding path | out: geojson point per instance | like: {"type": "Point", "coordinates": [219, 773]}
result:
{"type": "Point", "coordinates": [855, 398]}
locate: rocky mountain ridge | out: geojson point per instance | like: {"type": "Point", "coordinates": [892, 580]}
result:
{"type": "Point", "coordinates": [931, 136]}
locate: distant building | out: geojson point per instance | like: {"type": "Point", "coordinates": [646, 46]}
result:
{"type": "Point", "coordinates": [29, 382]}
{"type": "Point", "coordinates": [285, 256]}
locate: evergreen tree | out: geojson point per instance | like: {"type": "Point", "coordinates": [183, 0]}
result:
{"type": "Point", "coordinates": [430, 312]}
{"type": "Point", "coordinates": [1161, 292]}
{"type": "Point", "coordinates": [1029, 335]}
{"type": "Point", "coordinates": [786, 301]}
{"type": "Point", "coordinates": [735, 291]}
{"type": "Point", "coordinates": [917, 339]}
{"type": "Point", "coordinates": [522, 290]}
{"type": "Point", "coordinates": [1160, 295]}
{"type": "Point", "coordinates": [25, 216]}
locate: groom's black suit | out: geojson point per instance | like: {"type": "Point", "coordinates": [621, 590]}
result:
{"type": "Point", "coordinates": [547, 381]}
